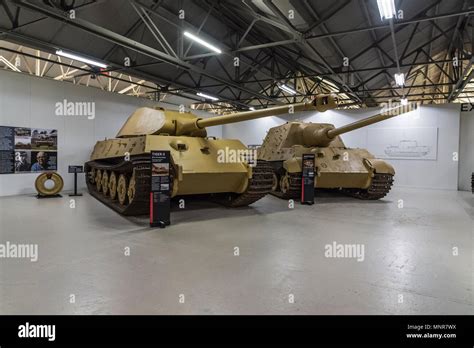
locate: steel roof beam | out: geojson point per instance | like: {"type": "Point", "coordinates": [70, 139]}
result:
{"type": "Point", "coordinates": [396, 24]}
{"type": "Point", "coordinates": [128, 43]}
{"type": "Point", "coordinates": [381, 39]}
{"type": "Point", "coordinates": [462, 82]}
{"type": "Point", "coordinates": [315, 15]}
{"type": "Point", "coordinates": [10, 16]}
{"type": "Point", "coordinates": [282, 78]}
{"type": "Point", "coordinates": [331, 13]}
{"type": "Point", "coordinates": [308, 46]}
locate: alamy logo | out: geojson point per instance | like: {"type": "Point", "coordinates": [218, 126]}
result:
{"type": "Point", "coordinates": [37, 331]}
{"type": "Point", "coordinates": [68, 108]}
{"type": "Point", "coordinates": [228, 155]}
{"type": "Point", "coordinates": [21, 251]}
{"type": "Point", "coordinates": [354, 251]}
{"type": "Point", "coordinates": [395, 108]}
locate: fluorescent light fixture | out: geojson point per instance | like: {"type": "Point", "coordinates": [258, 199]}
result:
{"type": "Point", "coordinates": [400, 79]}
{"type": "Point", "coordinates": [287, 89]}
{"type": "Point", "coordinates": [207, 96]}
{"type": "Point", "coordinates": [81, 59]}
{"type": "Point", "coordinates": [202, 42]}
{"type": "Point", "coordinates": [404, 101]}
{"type": "Point", "coordinates": [386, 8]}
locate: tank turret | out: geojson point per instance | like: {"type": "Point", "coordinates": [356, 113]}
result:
{"type": "Point", "coordinates": [118, 173]}
{"type": "Point", "coordinates": [354, 171]}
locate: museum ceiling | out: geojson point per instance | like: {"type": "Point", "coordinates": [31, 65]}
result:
{"type": "Point", "coordinates": [341, 47]}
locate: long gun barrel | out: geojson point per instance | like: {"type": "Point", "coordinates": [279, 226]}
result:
{"type": "Point", "coordinates": [323, 136]}
{"type": "Point", "coordinates": [320, 103]}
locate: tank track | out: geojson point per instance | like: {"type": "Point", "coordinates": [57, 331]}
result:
{"type": "Point", "coordinates": [379, 187]}
{"type": "Point", "coordinates": [138, 165]}
{"type": "Point", "coordinates": [472, 182]}
{"type": "Point", "coordinates": [259, 186]}
{"type": "Point", "coordinates": [294, 189]}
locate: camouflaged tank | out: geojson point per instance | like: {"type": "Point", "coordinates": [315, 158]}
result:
{"type": "Point", "coordinates": [354, 171]}
{"type": "Point", "coordinates": [118, 173]}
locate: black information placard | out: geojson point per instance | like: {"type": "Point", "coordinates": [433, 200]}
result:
{"type": "Point", "coordinates": [307, 180]}
{"type": "Point", "coordinates": [75, 169]}
{"type": "Point", "coordinates": [7, 162]}
{"type": "Point", "coordinates": [7, 138]}
{"type": "Point", "coordinates": [160, 196]}
{"type": "Point", "coordinates": [7, 153]}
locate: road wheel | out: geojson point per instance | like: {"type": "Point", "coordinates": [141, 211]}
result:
{"type": "Point", "coordinates": [113, 185]}
{"type": "Point", "coordinates": [105, 182]}
{"type": "Point", "coordinates": [122, 189]}
{"type": "Point", "coordinates": [98, 179]}
{"type": "Point", "coordinates": [131, 188]}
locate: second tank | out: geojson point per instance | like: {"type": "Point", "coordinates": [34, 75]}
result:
{"type": "Point", "coordinates": [354, 171]}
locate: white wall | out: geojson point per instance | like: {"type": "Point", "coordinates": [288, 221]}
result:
{"type": "Point", "coordinates": [466, 150]}
{"type": "Point", "coordinates": [28, 101]}
{"type": "Point", "coordinates": [439, 174]}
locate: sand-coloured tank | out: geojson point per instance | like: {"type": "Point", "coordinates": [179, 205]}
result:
{"type": "Point", "coordinates": [354, 171]}
{"type": "Point", "coordinates": [118, 173]}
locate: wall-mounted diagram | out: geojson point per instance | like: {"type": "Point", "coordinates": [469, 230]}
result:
{"type": "Point", "coordinates": [407, 148]}
{"type": "Point", "coordinates": [416, 143]}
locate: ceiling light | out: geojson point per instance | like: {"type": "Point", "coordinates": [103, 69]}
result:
{"type": "Point", "coordinates": [404, 101]}
{"type": "Point", "coordinates": [386, 8]}
{"type": "Point", "coordinates": [207, 96]}
{"type": "Point", "coordinates": [81, 59]}
{"type": "Point", "coordinates": [287, 89]}
{"type": "Point", "coordinates": [202, 42]}
{"type": "Point", "coordinates": [400, 79]}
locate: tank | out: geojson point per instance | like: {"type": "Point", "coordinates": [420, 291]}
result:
{"type": "Point", "coordinates": [118, 172]}
{"type": "Point", "coordinates": [354, 171]}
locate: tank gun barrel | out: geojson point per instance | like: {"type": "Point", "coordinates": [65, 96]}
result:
{"type": "Point", "coordinates": [251, 115]}
{"type": "Point", "coordinates": [323, 136]}
{"type": "Point", "coordinates": [384, 115]}
{"type": "Point", "coordinates": [320, 103]}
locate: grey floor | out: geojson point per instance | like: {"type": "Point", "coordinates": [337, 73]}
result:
{"type": "Point", "coordinates": [409, 266]}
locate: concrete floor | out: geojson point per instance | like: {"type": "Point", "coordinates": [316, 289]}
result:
{"type": "Point", "coordinates": [408, 251]}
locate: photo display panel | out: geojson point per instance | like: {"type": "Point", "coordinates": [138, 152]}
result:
{"type": "Point", "coordinates": [28, 150]}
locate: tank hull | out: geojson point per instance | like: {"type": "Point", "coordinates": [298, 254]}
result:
{"type": "Point", "coordinates": [199, 166]}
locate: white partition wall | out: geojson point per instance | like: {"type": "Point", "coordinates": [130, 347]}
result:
{"type": "Point", "coordinates": [28, 101]}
